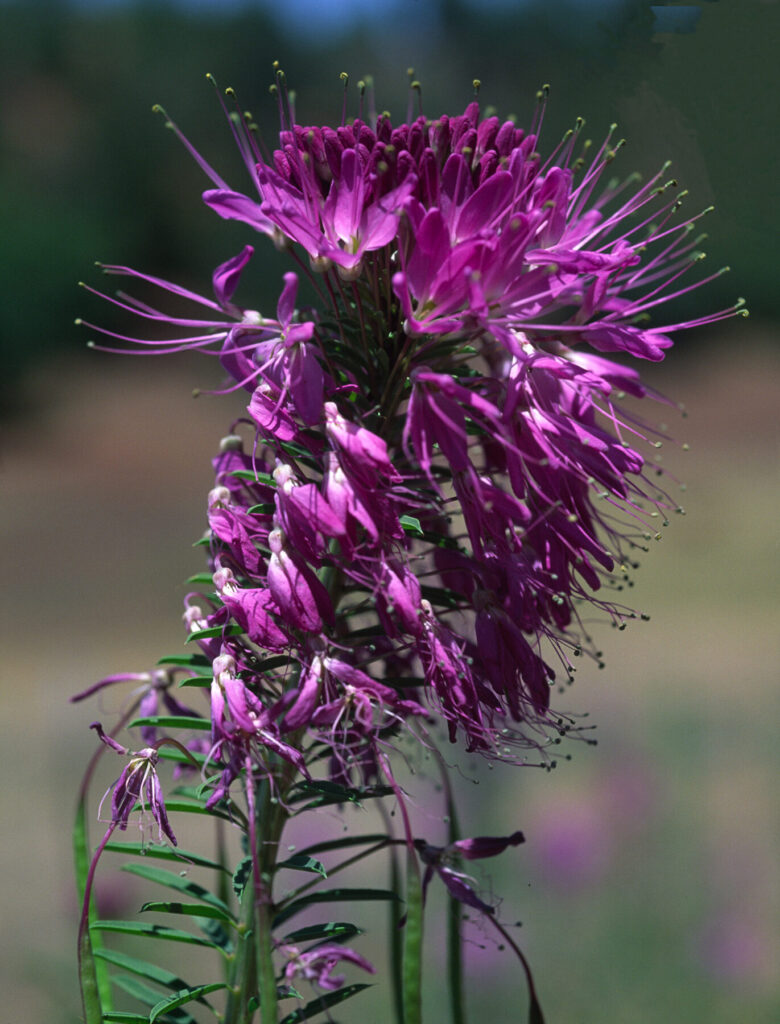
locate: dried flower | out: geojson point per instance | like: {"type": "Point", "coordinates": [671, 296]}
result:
{"type": "Point", "coordinates": [137, 782]}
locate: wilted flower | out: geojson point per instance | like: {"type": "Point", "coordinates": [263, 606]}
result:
{"type": "Point", "coordinates": [138, 782]}
{"type": "Point", "coordinates": [316, 965]}
{"type": "Point", "coordinates": [439, 860]}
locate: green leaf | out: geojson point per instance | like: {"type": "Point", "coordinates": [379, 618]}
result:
{"type": "Point", "coordinates": [148, 996]}
{"type": "Point", "coordinates": [184, 996]}
{"type": "Point", "coordinates": [186, 807]}
{"type": "Point", "coordinates": [334, 793]}
{"type": "Point", "coordinates": [152, 931]}
{"type": "Point", "coordinates": [123, 1017]}
{"type": "Point", "coordinates": [185, 857]}
{"type": "Point", "coordinates": [241, 876]}
{"type": "Point", "coordinates": [190, 807]}
{"type": "Point", "coordinates": [330, 896]}
{"type": "Point", "coordinates": [145, 969]}
{"type": "Point", "coordinates": [186, 660]}
{"type": "Point", "coordinates": [167, 753]}
{"type": "Point", "coordinates": [191, 909]}
{"type": "Point", "coordinates": [202, 579]}
{"type": "Point", "coordinates": [264, 508]}
{"type": "Point", "coordinates": [339, 793]}
{"type": "Point", "coordinates": [323, 1003]}
{"type": "Point", "coordinates": [202, 681]}
{"type": "Point", "coordinates": [411, 526]}
{"type": "Point", "coordinates": [173, 722]}
{"type": "Point", "coordinates": [248, 474]}
{"type": "Point", "coordinates": [212, 631]}
{"type": "Point", "coordinates": [217, 934]}
{"type": "Point", "coordinates": [300, 862]}
{"type": "Point", "coordinates": [173, 881]}
{"type": "Point", "coordinates": [333, 931]}
{"type": "Point", "coordinates": [346, 841]}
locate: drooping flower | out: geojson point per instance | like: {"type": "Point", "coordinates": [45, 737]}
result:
{"type": "Point", "coordinates": [316, 965]}
{"type": "Point", "coordinates": [438, 860]}
{"type": "Point", "coordinates": [137, 782]}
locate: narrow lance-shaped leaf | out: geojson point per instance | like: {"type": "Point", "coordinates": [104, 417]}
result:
{"type": "Point", "coordinates": [148, 996]}
{"type": "Point", "coordinates": [153, 931]}
{"type": "Point", "coordinates": [172, 722]}
{"type": "Point", "coordinates": [147, 850]}
{"type": "Point", "coordinates": [323, 1003]}
{"type": "Point", "coordinates": [302, 862]}
{"type": "Point", "coordinates": [143, 968]}
{"type": "Point", "coordinates": [182, 998]}
{"type": "Point", "coordinates": [189, 909]}
{"type": "Point", "coordinates": [333, 931]}
{"type": "Point", "coordinates": [330, 896]}
{"type": "Point", "coordinates": [173, 881]}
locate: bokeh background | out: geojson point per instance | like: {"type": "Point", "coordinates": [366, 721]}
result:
{"type": "Point", "coordinates": [648, 887]}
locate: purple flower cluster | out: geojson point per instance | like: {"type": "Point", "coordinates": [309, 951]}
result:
{"type": "Point", "coordinates": [439, 481]}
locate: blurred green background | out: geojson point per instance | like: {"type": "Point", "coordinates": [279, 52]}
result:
{"type": "Point", "coordinates": [648, 887]}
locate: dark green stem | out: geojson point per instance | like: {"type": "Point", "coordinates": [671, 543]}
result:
{"type": "Point", "coordinates": [90, 994]}
{"type": "Point", "coordinates": [413, 934]}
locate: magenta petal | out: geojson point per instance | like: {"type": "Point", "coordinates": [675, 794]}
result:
{"type": "Point", "coordinates": [226, 276]}
{"type": "Point", "coordinates": [235, 206]}
{"type": "Point", "coordinates": [286, 305]}
{"type": "Point", "coordinates": [460, 890]}
{"type": "Point", "coordinates": [347, 197]}
{"type": "Point", "coordinates": [307, 695]}
{"type": "Point", "coordinates": [481, 209]}
{"type": "Point", "coordinates": [486, 846]}
{"type": "Point", "coordinates": [307, 383]}
{"type": "Point", "coordinates": [270, 414]}
{"type": "Point", "coordinates": [614, 338]}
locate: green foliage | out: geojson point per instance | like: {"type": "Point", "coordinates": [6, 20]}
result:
{"type": "Point", "coordinates": [173, 881]}
{"type": "Point", "coordinates": [184, 857]}
{"type": "Point", "coordinates": [323, 1003]}
{"type": "Point", "coordinates": [183, 997]}
{"type": "Point", "coordinates": [302, 862]}
{"type": "Point", "coordinates": [152, 931]}
{"type": "Point", "coordinates": [191, 909]}
{"type": "Point", "coordinates": [295, 906]}
{"type": "Point", "coordinates": [333, 931]}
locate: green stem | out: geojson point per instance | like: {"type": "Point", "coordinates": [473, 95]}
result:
{"type": "Point", "coordinates": [242, 983]}
{"type": "Point", "coordinates": [266, 821]}
{"type": "Point", "coordinates": [90, 992]}
{"type": "Point", "coordinates": [454, 911]}
{"type": "Point", "coordinates": [413, 933]}
{"type": "Point", "coordinates": [411, 968]}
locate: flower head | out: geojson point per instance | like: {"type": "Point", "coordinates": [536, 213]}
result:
{"type": "Point", "coordinates": [440, 453]}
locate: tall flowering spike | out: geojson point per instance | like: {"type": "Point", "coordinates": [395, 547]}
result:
{"type": "Point", "coordinates": [439, 450]}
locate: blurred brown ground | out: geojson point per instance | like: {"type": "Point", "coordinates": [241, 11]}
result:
{"type": "Point", "coordinates": [103, 493]}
